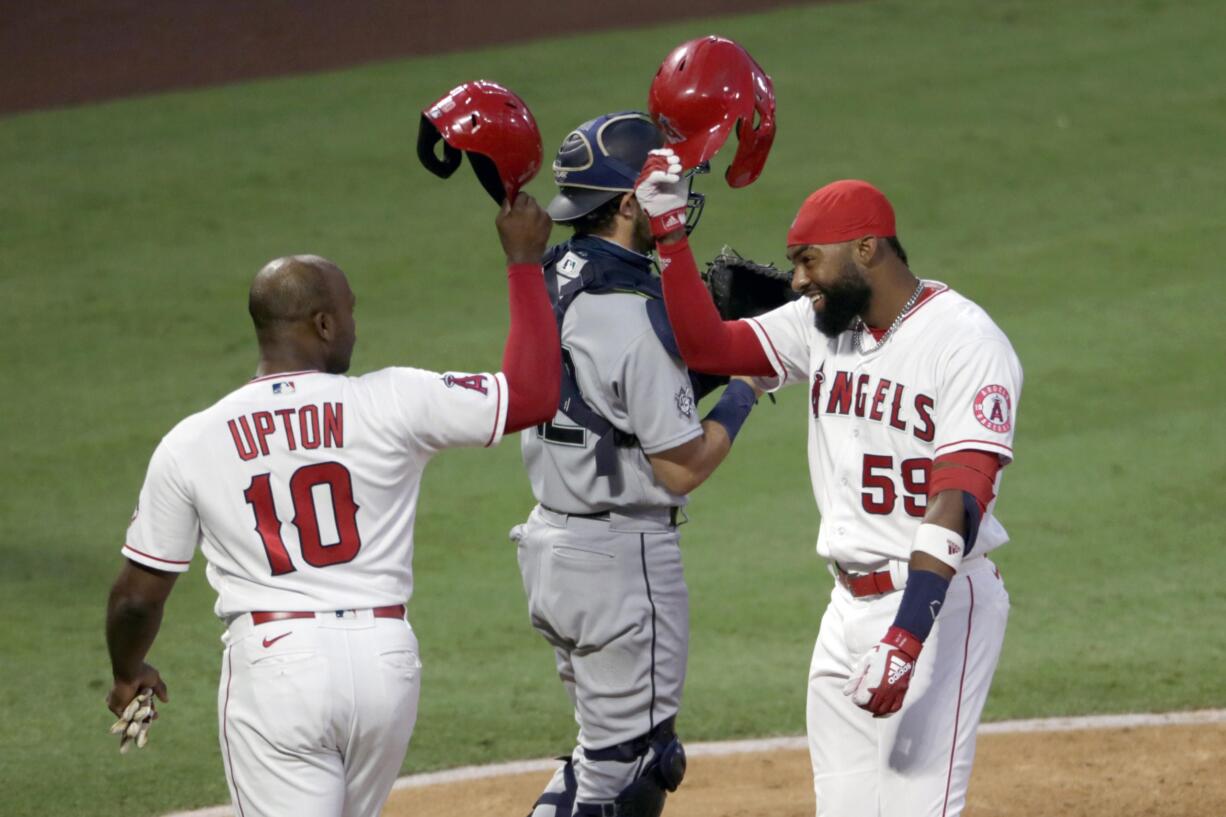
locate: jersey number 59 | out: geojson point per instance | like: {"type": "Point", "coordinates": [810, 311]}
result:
{"type": "Point", "coordinates": [880, 495]}
{"type": "Point", "coordinates": [301, 489]}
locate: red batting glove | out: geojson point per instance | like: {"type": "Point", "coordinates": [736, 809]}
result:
{"type": "Point", "coordinates": [662, 192]}
{"type": "Point", "coordinates": [879, 682]}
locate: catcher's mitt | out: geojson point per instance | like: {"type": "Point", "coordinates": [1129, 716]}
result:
{"type": "Point", "coordinates": [744, 289]}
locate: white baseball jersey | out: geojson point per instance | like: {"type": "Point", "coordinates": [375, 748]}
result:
{"type": "Point", "coordinates": [301, 488]}
{"type": "Point", "coordinates": [947, 380]}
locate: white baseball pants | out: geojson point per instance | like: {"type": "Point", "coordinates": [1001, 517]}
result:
{"type": "Point", "coordinates": [315, 714]}
{"type": "Point", "coordinates": [916, 762]}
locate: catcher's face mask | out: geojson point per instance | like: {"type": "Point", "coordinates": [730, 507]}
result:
{"type": "Point", "coordinates": [694, 201]}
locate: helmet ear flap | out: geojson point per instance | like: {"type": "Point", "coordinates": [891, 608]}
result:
{"type": "Point", "coordinates": [428, 137]}
{"type": "Point", "coordinates": [753, 146]}
{"type": "Point", "coordinates": [754, 134]}
{"type": "Point", "coordinates": [487, 174]}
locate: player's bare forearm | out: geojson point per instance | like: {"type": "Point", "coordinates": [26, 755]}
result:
{"type": "Point", "coordinates": [684, 468]}
{"type": "Point", "coordinates": [706, 341]}
{"type": "Point", "coordinates": [134, 616]}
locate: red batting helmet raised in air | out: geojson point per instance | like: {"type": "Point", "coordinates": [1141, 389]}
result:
{"type": "Point", "coordinates": [704, 89]}
{"type": "Point", "coordinates": [493, 126]}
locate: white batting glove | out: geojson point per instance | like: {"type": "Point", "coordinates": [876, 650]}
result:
{"type": "Point", "coordinates": [879, 682]}
{"type": "Point", "coordinates": [133, 725]}
{"type": "Point", "coordinates": [662, 192]}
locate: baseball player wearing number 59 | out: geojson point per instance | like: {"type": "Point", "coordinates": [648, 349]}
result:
{"type": "Point", "coordinates": [300, 487]}
{"type": "Point", "coordinates": [913, 395]}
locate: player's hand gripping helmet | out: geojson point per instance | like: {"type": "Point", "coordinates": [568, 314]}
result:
{"type": "Point", "coordinates": [704, 89]}
{"type": "Point", "coordinates": [493, 126]}
{"type": "Point", "coordinates": [600, 160]}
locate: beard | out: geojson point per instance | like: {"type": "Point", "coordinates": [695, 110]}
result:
{"type": "Point", "coordinates": [644, 241]}
{"type": "Point", "coordinates": [843, 302]}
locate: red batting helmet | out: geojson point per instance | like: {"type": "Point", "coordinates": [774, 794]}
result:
{"type": "Point", "coordinates": [703, 89]}
{"type": "Point", "coordinates": [493, 126]}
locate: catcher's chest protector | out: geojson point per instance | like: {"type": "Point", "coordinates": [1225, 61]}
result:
{"type": "Point", "coordinates": [589, 264]}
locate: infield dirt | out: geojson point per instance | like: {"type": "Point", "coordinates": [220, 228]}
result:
{"type": "Point", "coordinates": [1168, 771]}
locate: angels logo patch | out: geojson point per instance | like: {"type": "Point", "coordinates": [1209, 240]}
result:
{"type": "Point", "coordinates": [475, 382]}
{"type": "Point", "coordinates": [994, 409]}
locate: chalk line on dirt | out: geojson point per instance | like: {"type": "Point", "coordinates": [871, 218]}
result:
{"type": "Point", "coordinates": [738, 747]}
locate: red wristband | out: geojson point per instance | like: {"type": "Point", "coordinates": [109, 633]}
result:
{"type": "Point", "coordinates": [903, 640]}
{"type": "Point", "coordinates": [667, 223]}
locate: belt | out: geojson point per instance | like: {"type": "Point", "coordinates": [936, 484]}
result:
{"type": "Point", "coordinates": [865, 584]}
{"type": "Point", "coordinates": [263, 617]}
{"type": "Point", "coordinates": [605, 516]}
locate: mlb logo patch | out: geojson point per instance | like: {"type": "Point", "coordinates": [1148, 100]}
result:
{"type": "Point", "coordinates": [283, 387]}
{"type": "Point", "coordinates": [569, 267]}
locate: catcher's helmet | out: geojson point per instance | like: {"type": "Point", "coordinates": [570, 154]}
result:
{"type": "Point", "coordinates": [600, 160]}
{"type": "Point", "coordinates": [703, 89]}
{"type": "Point", "coordinates": [493, 126]}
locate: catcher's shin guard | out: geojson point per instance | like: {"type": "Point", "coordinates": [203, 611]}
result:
{"type": "Point", "coordinates": [645, 795]}
{"type": "Point", "coordinates": [558, 799]}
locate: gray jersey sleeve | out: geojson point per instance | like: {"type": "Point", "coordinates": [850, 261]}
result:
{"type": "Point", "coordinates": [658, 396]}
{"type": "Point", "coordinates": [627, 377]}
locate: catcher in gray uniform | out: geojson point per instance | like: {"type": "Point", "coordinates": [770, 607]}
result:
{"type": "Point", "coordinates": [599, 554]}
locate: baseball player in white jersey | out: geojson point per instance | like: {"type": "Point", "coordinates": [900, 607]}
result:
{"type": "Point", "coordinates": [913, 395]}
{"type": "Point", "coordinates": [599, 555]}
{"type": "Point", "coordinates": [300, 488]}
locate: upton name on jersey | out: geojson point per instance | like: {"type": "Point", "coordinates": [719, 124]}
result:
{"type": "Point", "coordinates": [301, 425]}
{"type": "Point", "coordinates": [328, 469]}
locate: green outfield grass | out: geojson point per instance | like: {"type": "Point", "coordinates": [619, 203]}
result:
{"type": "Point", "coordinates": [1062, 163]}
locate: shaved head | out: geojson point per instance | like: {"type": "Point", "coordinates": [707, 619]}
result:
{"type": "Point", "coordinates": [289, 290]}
{"type": "Point", "coordinates": [302, 302]}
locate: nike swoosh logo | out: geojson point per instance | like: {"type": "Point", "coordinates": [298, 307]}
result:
{"type": "Point", "coordinates": [268, 642]}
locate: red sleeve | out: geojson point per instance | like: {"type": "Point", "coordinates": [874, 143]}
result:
{"type": "Point", "coordinates": [707, 342]}
{"type": "Point", "coordinates": [971, 471]}
{"type": "Point", "coordinates": [532, 358]}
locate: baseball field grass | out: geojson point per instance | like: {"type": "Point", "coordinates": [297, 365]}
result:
{"type": "Point", "coordinates": [1061, 163]}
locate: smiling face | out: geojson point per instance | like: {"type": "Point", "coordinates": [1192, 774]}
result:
{"type": "Point", "coordinates": [828, 275]}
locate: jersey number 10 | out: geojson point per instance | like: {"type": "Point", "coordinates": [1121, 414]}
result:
{"type": "Point", "coordinates": [301, 485]}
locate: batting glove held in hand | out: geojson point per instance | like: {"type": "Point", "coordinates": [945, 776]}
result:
{"type": "Point", "coordinates": [662, 193]}
{"type": "Point", "coordinates": [879, 682]}
{"type": "Point", "coordinates": [133, 726]}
